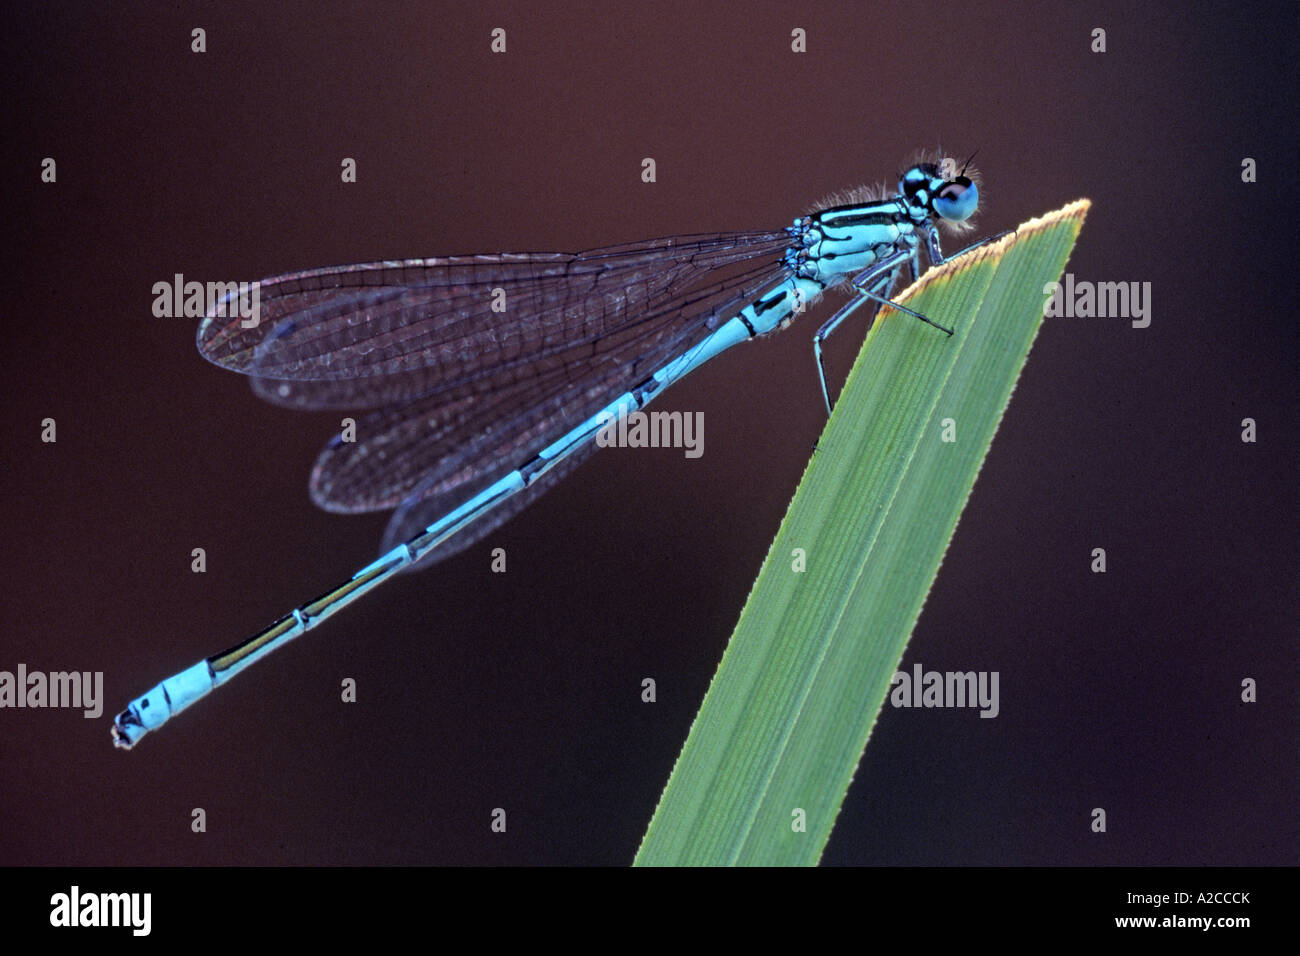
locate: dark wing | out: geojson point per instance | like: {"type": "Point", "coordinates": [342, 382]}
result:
{"type": "Point", "coordinates": [432, 454]}
{"type": "Point", "coordinates": [468, 393]}
{"type": "Point", "coordinates": [387, 331]}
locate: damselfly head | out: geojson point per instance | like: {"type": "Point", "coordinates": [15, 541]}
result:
{"type": "Point", "coordinates": [950, 193]}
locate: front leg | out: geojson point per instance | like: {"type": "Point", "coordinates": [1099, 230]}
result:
{"type": "Point", "coordinates": [935, 254]}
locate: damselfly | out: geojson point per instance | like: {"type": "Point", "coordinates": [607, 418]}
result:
{"type": "Point", "coordinates": [492, 374]}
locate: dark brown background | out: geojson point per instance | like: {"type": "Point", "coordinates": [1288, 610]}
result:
{"type": "Point", "coordinates": [521, 691]}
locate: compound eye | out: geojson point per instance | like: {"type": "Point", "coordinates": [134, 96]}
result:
{"type": "Point", "coordinates": [957, 199]}
{"type": "Point", "coordinates": [955, 189]}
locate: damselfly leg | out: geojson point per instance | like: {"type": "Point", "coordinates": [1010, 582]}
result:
{"type": "Point", "coordinates": [873, 285]}
{"type": "Point", "coordinates": [875, 296]}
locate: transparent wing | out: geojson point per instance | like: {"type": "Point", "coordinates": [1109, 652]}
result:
{"type": "Point", "coordinates": [468, 393]}
{"type": "Point", "coordinates": [422, 509]}
{"type": "Point", "coordinates": [434, 453]}
{"type": "Point", "coordinates": [453, 433]}
{"type": "Point", "coordinates": [379, 332]}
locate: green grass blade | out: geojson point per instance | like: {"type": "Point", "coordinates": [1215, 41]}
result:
{"type": "Point", "coordinates": [792, 704]}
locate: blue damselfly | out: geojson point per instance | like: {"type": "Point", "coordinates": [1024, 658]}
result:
{"type": "Point", "coordinates": [482, 408]}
